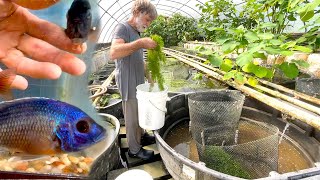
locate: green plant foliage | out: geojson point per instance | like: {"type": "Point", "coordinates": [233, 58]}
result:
{"type": "Point", "coordinates": [219, 160]}
{"type": "Point", "coordinates": [289, 69]}
{"type": "Point", "coordinates": [198, 76]}
{"type": "Point", "coordinates": [218, 15]}
{"type": "Point", "coordinates": [257, 31]}
{"type": "Point", "coordinates": [155, 58]}
{"type": "Point", "coordinates": [174, 29]}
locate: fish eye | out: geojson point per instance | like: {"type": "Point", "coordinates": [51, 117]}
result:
{"type": "Point", "coordinates": [83, 126]}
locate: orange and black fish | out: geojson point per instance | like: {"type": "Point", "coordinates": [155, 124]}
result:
{"type": "Point", "coordinates": [43, 126]}
{"type": "Point", "coordinates": [79, 19]}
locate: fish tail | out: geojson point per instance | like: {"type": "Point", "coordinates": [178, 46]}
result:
{"type": "Point", "coordinates": [6, 78]}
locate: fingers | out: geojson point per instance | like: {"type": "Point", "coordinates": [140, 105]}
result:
{"type": "Point", "coordinates": [35, 4]}
{"type": "Point", "coordinates": [52, 34]}
{"type": "Point", "coordinates": [23, 65]}
{"type": "Point", "coordinates": [44, 52]}
{"type": "Point", "coordinates": [19, 83]}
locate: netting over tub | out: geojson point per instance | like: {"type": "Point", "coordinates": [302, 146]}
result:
{"type": "Point", "coordinates": [246, 149]}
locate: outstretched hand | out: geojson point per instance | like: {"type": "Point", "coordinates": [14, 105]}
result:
{"type": "Point", "coordinates": [35, 47]}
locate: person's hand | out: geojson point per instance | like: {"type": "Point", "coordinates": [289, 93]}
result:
{"type": "Point", "coordinates": [35, 47]}
{"type": "Point", "coordinates": [148, 43]}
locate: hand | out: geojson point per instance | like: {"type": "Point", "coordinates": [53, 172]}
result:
{"type": "Point", "coordinates": [148, 43]}
{"type": "Point", "coordinates": [35, 47]}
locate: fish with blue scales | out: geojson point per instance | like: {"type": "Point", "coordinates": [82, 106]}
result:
{"type": "Point", "coordinates": [79, 19]}
{"type": "Point", "coordinates": [43, 126]}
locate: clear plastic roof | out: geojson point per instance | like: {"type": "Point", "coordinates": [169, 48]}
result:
{"type": "Point", "coordinates": [114, 11]}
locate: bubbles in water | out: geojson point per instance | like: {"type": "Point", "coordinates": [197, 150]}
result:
{"type": "Point", "coordinates": [284, 130]}
{"type": "Point", "coordinates": [284, 116]}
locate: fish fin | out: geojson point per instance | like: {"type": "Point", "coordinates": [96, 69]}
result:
{"type": "Point", "coordinates": [5, 151]}
{"type": "Point", "coordinates": [28, 157]}
{"type": "Point", "coordinates": [44, 145]}
{"type": "Point", "coordinates": [6, 78]}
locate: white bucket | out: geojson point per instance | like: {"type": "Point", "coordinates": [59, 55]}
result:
{"type": "Point", "coordinates": [151, 106]}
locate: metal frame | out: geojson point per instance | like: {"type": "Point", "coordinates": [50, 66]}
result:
{"type": "Point", "coordinates": [160, 5]}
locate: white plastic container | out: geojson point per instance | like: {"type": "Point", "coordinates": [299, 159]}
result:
{"type": "Point", "coordinates": [151, 106]}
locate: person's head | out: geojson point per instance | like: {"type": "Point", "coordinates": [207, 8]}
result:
{"type": "Point", "coordinates": [144, 12]}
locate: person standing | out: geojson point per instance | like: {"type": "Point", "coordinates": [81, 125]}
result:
{"type": "Point", "coordinates": [127, 49]}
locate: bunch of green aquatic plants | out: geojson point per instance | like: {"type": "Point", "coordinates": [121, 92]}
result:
{"type": "Point", "coordinates": [104, 100]}
{"type": "Point", "coordinates": [155, 58]}
{"type": "Point", "coordinates": [216, 158]}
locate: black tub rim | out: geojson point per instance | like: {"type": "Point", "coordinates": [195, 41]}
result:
{"type": "Point", "coordinates": [189, 162]}
{"type": "Point", "coordinates": [26, 175]}
{"type": "Point", "coordinates": [199, 167]}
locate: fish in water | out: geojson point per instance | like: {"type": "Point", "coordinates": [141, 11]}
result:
{"type": "Point", "coordinates": [42, 126]}
{"type": "Point", "coordinates": [79, 19]}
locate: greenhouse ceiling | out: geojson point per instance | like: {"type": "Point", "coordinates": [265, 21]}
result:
{"type": "Point", "coordinates": [114, 11]}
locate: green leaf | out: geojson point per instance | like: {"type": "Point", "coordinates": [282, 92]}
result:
{"type": "Point", "coordinates": [301, 63]}
{"type": "Point", "coordinates": [271, 50]}
{"type": "Point", "coordinates": [287, 45]}
{"type": "Point", "coordinates": [270, 74]}
{"type": "Point", "coordinates": [260, 55]}
{"type": "Point", "coordinates": [265, 36]}
{"type": "Point", "coordinates": [198, 76]}
{"type": "Point", "coordinates": [268, 25]}
{"type": "Point", "coordinates": [215, 60]}
{"type": "Point", "coordinates": [251, 36]}
{"type": "Point", "coordinates": [248, 68]}
{"type": "Point", "coordinates": [289, 69]}
{"type": "Point", "coordinates": [199, 48]}
{"type": "Point", "coordinates": [286, 53]}
{"type": "Point", "coordinates": [291, 18]}
{"type": "Point", "coordinates": [244, 59]}
{"type": "Point", "coordinates": [301, 39]}
{"type": "Point", "coordinates": [253, 81]}
{"type": "Point", "coordinates": [222, 40]}
{"type": "Point", "coordinates": [306, 15]}
{"type": "Point", "coordinates": [275, 42]}
{"type": "Point", "coordinates": [229, 47]}
{"type": "Point", "coordinates": [307, 12]}
{"type": "Point", "coordinates": [302, 49]}
{"type": "Point", "coordinates": [260, 72]}
{"type": "Point", "coordinates": [229, 75]}
{"type": "Point", "coordinates": [293, 3]}
{"type": "Point", "coordinates": [239, 78]}
{"type": "Point", "coordinates": [256, 48]}
{"type": "Point", "coordinates": [226, 65]}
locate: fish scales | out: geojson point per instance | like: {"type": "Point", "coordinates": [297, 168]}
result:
{"type": "Point", "coordinates": [25, 121]}
{"type": "Point", "coordinates": [46, 126]}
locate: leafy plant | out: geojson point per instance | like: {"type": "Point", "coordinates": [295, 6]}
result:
{"type": "Point", "coordinates": [250, 45]}
{"type": "Point", "coordinates": [174, 29]}
{"type": "Point", "coordinates": [220, 15]}
{"type": "Point", "coordinates": [154, 58]}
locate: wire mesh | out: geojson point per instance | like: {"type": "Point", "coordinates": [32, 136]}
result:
{"type": "Point", "coordinates": [215, 112]}
{"type": "Point", "coordinates": [246, 149]}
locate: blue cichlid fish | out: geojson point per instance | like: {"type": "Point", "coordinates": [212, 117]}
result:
{"type": "Point", "coordinates": [79, 19]}
{"type": "Point", "coordinates": [46, 126]}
